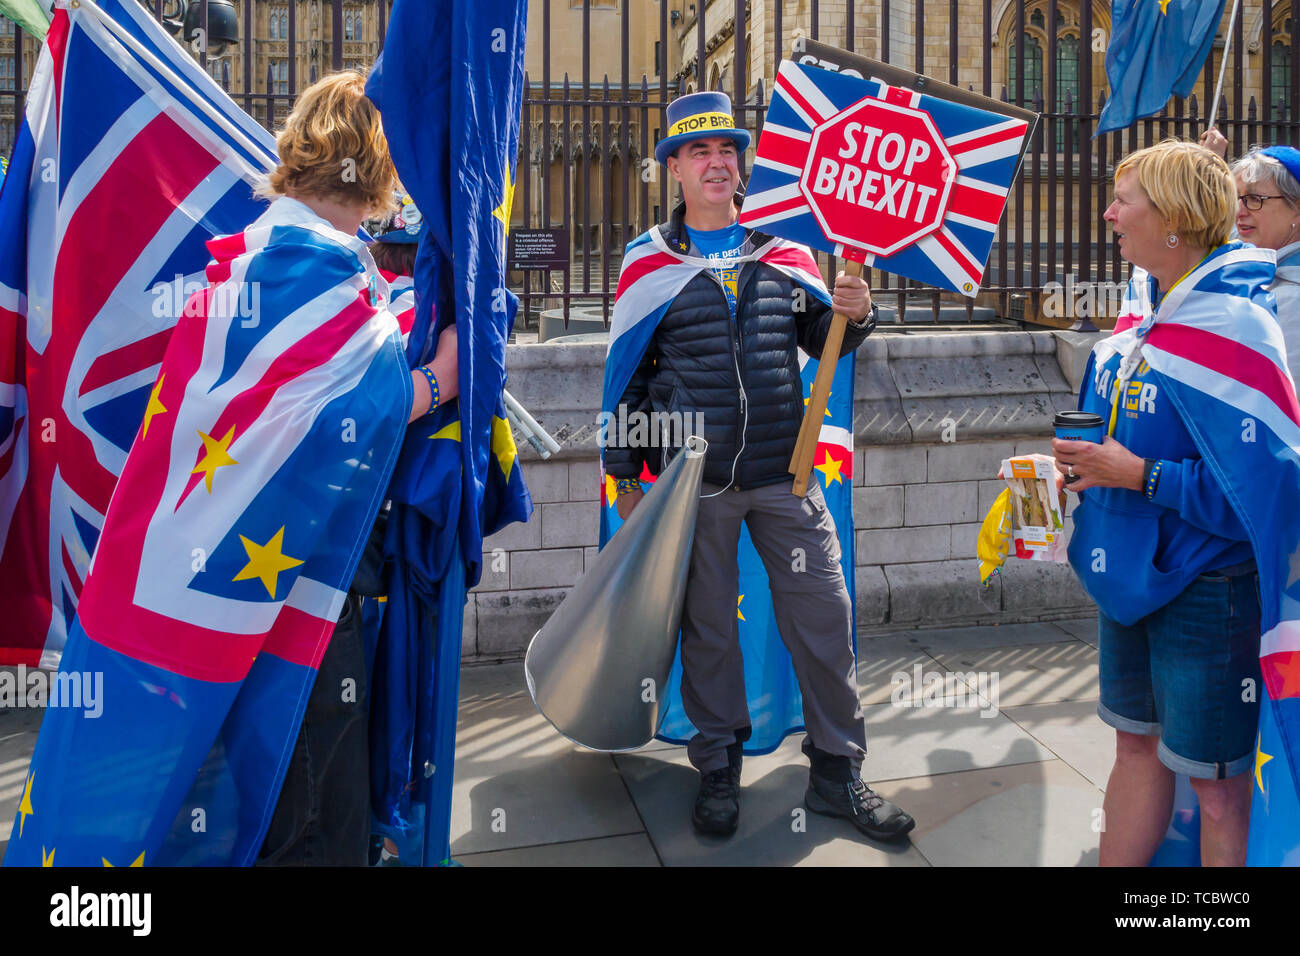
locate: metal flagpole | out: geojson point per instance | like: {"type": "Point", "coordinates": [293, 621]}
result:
{"type": "Point", "coordinates": [1223, 66]}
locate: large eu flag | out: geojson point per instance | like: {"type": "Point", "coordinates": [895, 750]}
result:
{"type": "Point", "coordinates": [1157, 48]}
{"type": "Point", "coordinates": [449, 85]}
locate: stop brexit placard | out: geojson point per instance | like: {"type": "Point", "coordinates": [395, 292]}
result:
{"type": "Point", "coordinates": [904, 182]}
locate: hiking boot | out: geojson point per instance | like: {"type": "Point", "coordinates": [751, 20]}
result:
{"type": "Point", "coordinates": [870, 813]}
{"type": "Point", "coordinates": [717, 805]}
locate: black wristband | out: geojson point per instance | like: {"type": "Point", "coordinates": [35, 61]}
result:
{"type": "Point", "coordinates": [1151, 477]}
{"type": "Point", "coordinates": [1147, 465]}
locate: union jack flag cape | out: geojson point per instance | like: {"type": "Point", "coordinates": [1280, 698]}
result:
{"type": "Point", "coordinates": [1215, 343]}
{"type": "Point", "coordinates": [985, 146]}
{"type": "Point", "coordinates": [651, 277]}
{"type": "Point", "coordinates": [128, 160]}
{"type": "Point", "coordinates": [239, 520]}
{"type": "Point", "coordinates": [401, 291]}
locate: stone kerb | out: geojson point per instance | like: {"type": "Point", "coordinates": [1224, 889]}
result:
{"type": "Point", "coordinates": [934, 414]}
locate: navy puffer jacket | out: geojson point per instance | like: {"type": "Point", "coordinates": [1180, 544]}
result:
{"type": "Point", "coordinates": [739, 379]}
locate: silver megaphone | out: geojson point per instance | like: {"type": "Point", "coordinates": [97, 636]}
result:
{"type": "Point", "coordinates": [598, 668]}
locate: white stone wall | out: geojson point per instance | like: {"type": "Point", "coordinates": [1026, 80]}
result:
{"type": "Point", "coordinates": [918, 500]}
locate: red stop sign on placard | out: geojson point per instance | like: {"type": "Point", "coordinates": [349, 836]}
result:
{"type": "Point", "coordinates": [878, 176]}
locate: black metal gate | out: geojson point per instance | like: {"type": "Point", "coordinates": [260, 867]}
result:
{"type": "Point", "coordinates": [585, 160]}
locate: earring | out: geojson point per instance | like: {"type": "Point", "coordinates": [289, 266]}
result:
{"type": "Point", "coordinates": [1172, 242]}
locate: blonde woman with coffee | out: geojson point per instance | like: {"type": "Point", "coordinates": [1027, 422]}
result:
{"type": "Point", "coordinates": [1157, 542]}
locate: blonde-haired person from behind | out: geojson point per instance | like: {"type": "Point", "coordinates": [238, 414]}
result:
{"type": "Point", "coordinates": [334, 166]}
{"type": "Point", "coordinates": [334, 173]}
{"type": "Point", "coordinates": [1179, 606]}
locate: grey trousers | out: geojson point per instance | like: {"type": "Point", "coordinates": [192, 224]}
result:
{"type": "Point", "coordinates": [812, 608]}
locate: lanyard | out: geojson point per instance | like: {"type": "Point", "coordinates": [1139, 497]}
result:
{"type": "Point", "coordinates": [1120, 380]}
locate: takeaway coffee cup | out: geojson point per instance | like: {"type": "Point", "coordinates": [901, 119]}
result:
{"type": "Point", "coordinates": [1079, 426]}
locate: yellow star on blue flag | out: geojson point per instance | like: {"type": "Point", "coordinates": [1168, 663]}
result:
{"type": "Point", "coordinates": [502, 211]}
{"type": "Point", "coordinates": [25, 805]}
{"type": "Point", "coordinates": [266, 561]}
{"type": "Point", "coordinates": [1261, 758]}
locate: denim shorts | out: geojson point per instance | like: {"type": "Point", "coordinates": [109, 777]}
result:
{"type": "Point", "coordinates": [1189, 674]}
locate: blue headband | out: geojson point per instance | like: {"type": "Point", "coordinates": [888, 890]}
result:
{"type": "Point", "coordinates": [1288, 156]}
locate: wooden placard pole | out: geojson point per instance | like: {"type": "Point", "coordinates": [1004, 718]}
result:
{"type": "Point", "coordinates": [801, 463]}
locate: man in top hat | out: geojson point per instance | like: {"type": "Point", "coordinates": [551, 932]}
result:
{"type": "Point", "coordinates": [723, 348]}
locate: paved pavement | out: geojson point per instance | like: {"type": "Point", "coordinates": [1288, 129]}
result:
{"type": "Point", "coordinates": [1013, 778]}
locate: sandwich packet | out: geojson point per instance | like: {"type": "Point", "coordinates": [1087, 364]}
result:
{"type": "Point", "coordinates": [1026, 519]}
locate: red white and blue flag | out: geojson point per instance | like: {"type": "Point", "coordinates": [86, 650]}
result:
{"type": "Point", "coordinates": [265, 452]}
{"type": "Point", "coordinates": [1215, 342]}
{"type": "Point", "coordinates": [401, 291]}
{"type": "Point", "coordinates": [129, 159]}
{"type": "Point", "coordinates": [942, 168]}
{"type": "Point", "coordinates": [651, 277]}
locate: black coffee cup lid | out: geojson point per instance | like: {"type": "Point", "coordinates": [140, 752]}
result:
{"type": "Point", "coordinates": [1077, 420]}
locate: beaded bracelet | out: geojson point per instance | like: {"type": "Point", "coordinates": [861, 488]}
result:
{"type": "Point", "coordinates": [433, 385]}
{"type": "Point", "coordinates": [624, 485]}
{"type": "Point", "coordinates": [1153, 480]}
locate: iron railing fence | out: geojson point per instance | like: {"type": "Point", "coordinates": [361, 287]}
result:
{"type": "Point", "coordinates": [590, 140]}
{"type": "Point", "coordinates": [1053, 227]}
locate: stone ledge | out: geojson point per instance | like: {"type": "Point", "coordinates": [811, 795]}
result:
{"type": "Point", "coordinates": [889, 598]}
{"type": "Point", "coordinates": [990, 384]}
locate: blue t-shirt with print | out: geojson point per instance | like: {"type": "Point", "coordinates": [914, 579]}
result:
{"type": "Point", "coordinates": [723, 247]}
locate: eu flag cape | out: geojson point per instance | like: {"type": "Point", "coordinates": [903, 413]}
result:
{"type": "Point", "coordinates": [1156, 50]}
{"type": "Point", "coordinates": [266, 446]}
{"type": "Point", "coordinates": [651, 277]}
{"type": "Point", "coordinates": [450, 86]}
{"type": "Point", "coordinates": [1215, 344]}
{"type": "Point", "coordinates": [128, 160]}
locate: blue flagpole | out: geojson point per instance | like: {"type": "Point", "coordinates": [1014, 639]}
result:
{"type": "Point", "coordinates": [446, 698]}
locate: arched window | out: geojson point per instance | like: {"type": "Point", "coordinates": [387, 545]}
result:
{"type": "Point", "coordinates": [280, 77]}
{"type": "Point", "coordinates": [1067, 70]}
{"type": "Point", "coordinates": [6, 27]}
{"type": "Point", "coordinates": [356, 29]}
{"type": "Point", "coordinates": [284, 26]}
{"type": "Point", "coordinates": [1065, 58]}
{"type": "Point", "coordinates": [219, 70]}
{"type": "Point", "coordinates": [1281, 72]}
{"type": "Point", "coordinates": [347, 27]}
{"type": "Point", "coordinates": [1033, 72]}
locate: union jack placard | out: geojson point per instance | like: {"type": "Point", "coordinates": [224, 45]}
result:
{"type": "Point", "coordinates": [901, 181]}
